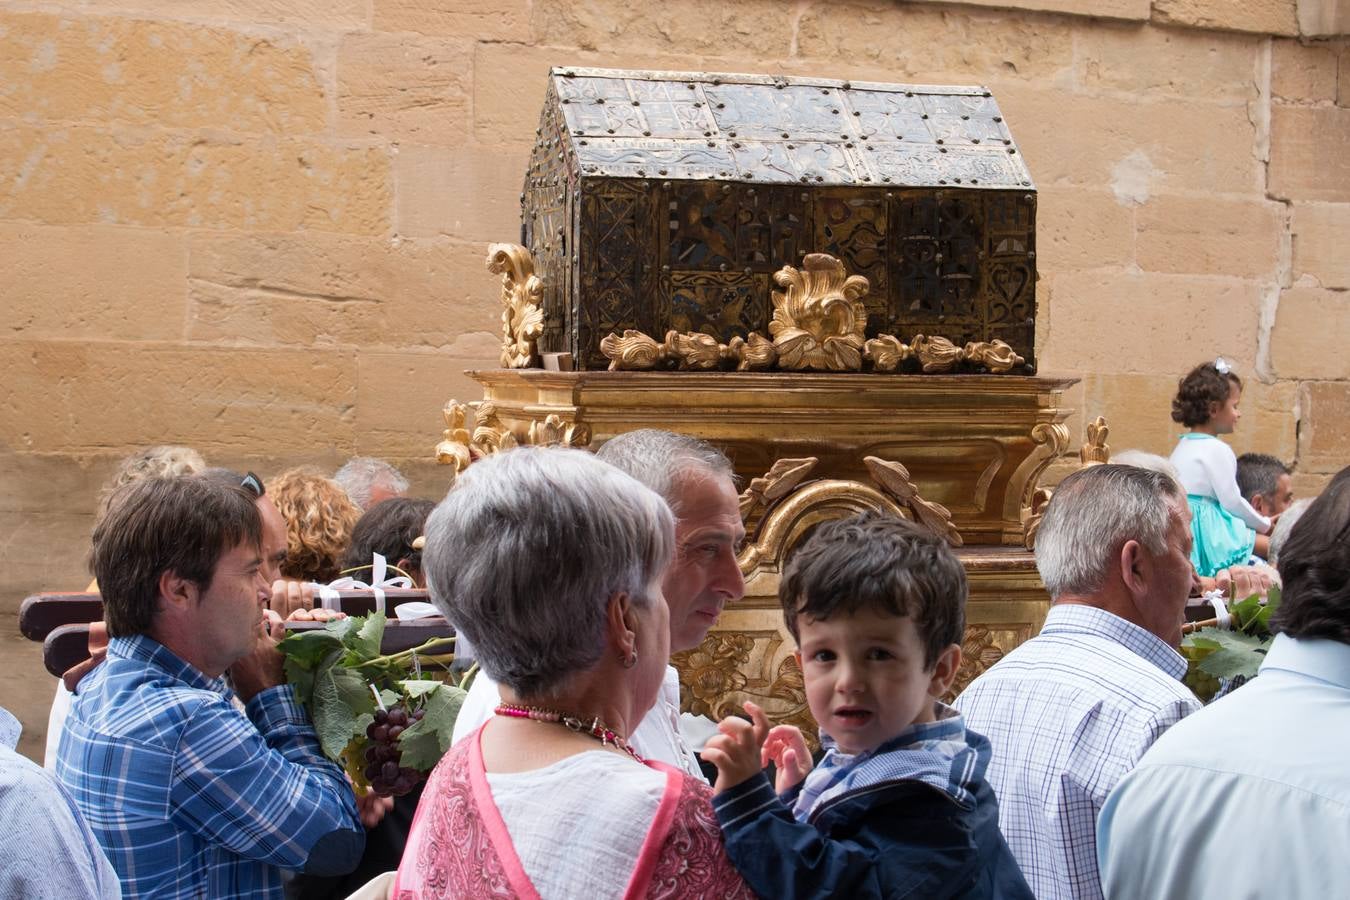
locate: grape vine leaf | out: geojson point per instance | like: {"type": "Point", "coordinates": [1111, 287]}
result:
{"type": "Point", "coordinates": [424, 743]}
{"type": "Point", "coordinates": [1231, 662]}
{"type": "Point", "coordinates": [418, 687]}
{"type": "Point", "coordinates": [368, 637]}
{"type": "Point", "coordinates": [340, 697]}
{"type": "Point", "coordinates": [308, 648]}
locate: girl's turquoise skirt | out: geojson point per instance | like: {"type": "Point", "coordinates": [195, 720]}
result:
{"type": "Point", "coordinates": [1221, 539]}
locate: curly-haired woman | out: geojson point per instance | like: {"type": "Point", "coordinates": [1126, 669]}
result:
{"type": "Point", "coordinates": [1225, 526]}
{"type": "Point", "coordinates": [319, 520]}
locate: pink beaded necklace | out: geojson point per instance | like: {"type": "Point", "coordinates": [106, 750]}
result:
{"type": "Point", "coordinates": [596, 729]}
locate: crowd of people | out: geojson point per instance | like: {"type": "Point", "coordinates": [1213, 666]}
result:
{"type": "Point", "coordinates": [1078, 766]}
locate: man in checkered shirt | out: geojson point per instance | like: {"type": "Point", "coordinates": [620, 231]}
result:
{"type": "Point", "coordinates": [1072, 710]}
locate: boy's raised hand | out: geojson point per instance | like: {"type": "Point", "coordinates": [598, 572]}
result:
{"type": "Point", "coordinates": [736, 751]}
{"type": "Point", "coordinates": [791, 757]}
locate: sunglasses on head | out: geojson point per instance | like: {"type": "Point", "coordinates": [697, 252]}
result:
{"type": "Point", "coordinates": [253, 484]}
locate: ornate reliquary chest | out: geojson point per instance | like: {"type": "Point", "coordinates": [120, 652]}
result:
{"type": "Point", "coordinates": [660, 201]}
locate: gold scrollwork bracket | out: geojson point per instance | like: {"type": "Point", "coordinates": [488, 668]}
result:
{"type": "Point", "coordinates": [489, 434]}
{"type": "Point", "coordinates": [781, 479]}
{"type": "Point", "coordinates": [893, 478]}
{"type": "Point", "coordinates": [1096, 450]}
{"type": "Point", "coordinates": [454, 448]}
{"type": "Point", "coordinates": [522, 310]}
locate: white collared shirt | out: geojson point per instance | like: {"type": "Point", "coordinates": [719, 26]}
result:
{"type": "Point", "coordinates": [1250, 797]}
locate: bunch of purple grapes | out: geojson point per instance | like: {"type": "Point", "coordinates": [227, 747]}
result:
{"type": "Point", "coordinates": [387, 778]}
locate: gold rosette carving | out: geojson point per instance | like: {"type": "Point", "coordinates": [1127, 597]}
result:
{"type": "Point", "coordinates": [936, 354]}
{"type": "Point", "coordinates": [819, 320]}
{"type": "Point", "coordinates": [695, 350]}
{"type": "Point", "coordinates": [522, 312]}
{"type": "Point", "coordinates": [996, 355]}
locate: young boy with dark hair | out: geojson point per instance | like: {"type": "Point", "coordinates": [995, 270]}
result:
{"type": "Point", "coordinates": [898, 806]}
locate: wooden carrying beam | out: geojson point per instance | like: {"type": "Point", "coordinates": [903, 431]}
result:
{"type": "Point", "coordinates": [40, 614]}
{"type": "Point", "coordinates": [68, 645]}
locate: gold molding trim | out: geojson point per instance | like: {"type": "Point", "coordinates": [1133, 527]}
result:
{"type": "Point", "coordinates": [1096, 450]}
{"type": "Point", "coordinates": [557, 431]}
{"type": "Point", "coordinates": [818, 324]}
{"type": "Point", "coordinates": [522, 310]}
{"type": "Point", "coordinates": [893, 478]}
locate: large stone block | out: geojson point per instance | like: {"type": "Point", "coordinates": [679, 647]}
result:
{"type": "Point", "coordinates": [400, 394]}
{"type": "Point", "coordinates": [341, 15]}
{"type": "Point", "coordinates": [1323, 18]}
{"type": "Point", "coordinates": [317, 289]}
{"type": "Point", "coordinates": [1305, 158]}
{"type": "Point", "coordinates": [1137, 10]}
{"type": "Point", "coordinates": [1302, 72]}
{"type": "Point", "coordinates": [56, 68]}
{"type": "Point", "coordinates": [1077, 228]}
{"type": "Point", "coordinates": [76, 282]}
{"type": "Point", "coordinates": [404, 87]}
{"type": "Point", "coordinates": [1135, 147]}
{"type": "Point", "coordinates": [1209, 236]}
{"type": "Point", "coordinates": [1324, 432]}
{"type": "Point", "coordinates": [750, 28]}
{"type": "Point", "coordinates": [1111, 322]}
{"type": "Point", "coordinates": [496, 20]}
{"type": "Point", "coordinates": [1311, 334]}
{"type": "Point", "coordinates": [1320, 231]}
{"type": "Point", "coordinates": [56, 484]}
{"type": "Point", "coordinates": [1310, 484]}
{"type": "Point", "coordinates": [80, 397]}
{"type": "Point", "coordinates": [470, 192]}
{"type": "Point", "coordinates": [1204, 66]}
{"type": "Point", "coordinates": [1260, 16]}
{"type": "Point", "coordinates": [942, 45]}
{"type": "Point", "coordinates": [135, 176]}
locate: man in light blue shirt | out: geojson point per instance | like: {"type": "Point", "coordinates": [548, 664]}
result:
{"type": "Point", "coordinates": [46, 847]}
{"type": "Point", "coordinates": [1251, 796]}
{"type": "Point", "coordinates": [1070, 711]}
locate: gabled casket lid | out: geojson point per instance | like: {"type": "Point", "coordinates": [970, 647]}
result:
{"type": "Point", "coordinates": [778, 129]}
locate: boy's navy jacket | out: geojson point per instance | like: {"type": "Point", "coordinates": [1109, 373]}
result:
{"type": "Point", "coordinates": [893, 832]}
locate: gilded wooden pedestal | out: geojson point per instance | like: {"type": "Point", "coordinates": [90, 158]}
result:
{"type": "Point", "coordinates": [962, 454]}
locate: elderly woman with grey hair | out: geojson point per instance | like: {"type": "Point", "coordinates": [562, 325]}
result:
{"type": "Point", "coordinates": [550, 562]}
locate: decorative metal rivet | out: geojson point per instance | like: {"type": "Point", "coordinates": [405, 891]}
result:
{"type": "Point", "coordinates": [824, 90]}
{"type": "Point", "coordinates": [942, 181]}
{"type": "Point", "coordinates": [974, 140]}
{"type": "Point", "coordinates": [698, 104]}
{"type": "Point", "coordinates": [785, 134]}
{"type": "Point", "coordinates": [662, 172]}
{"type": "Point", "coordinates": [610, 130]}
{"type": "Point", "coordinates": [820, 178]}
{"type": "Point", "coordinates": [600, 100]}
{"type": "Point", "coordinates": [665, 185]}
{"type": "Point", "coordinates": [867, 178]}
{"type": "Point", "coordinates": [849, 145]}
{"type": "Point", "coordinates": [887, 179]}
{"type": "Point", "coordinates": [909, 93]}
{"type": "Point", "coordinates": [646, 134]}
{"type": "Point", "coordinates": [690, 86]}
{"type": "Point", "coordinates": [736, 144]}
{"type": "Point", "coordinates": [731, 134]}
{"type": "Point", "coordinates": [1031, 254]}
{"type": "Point", "coordinates": [566, 101]}
{"type": "Point", "coordinates": [717, 81]}
{"type": "Point", "coordinates": [569, 74]}
{"type": "Point", "coordinates": [722, 267]}
{"type": "Point", "coordinates": [998, 118]}
{"type": "Point", "coordinates": [636, 103]}
{"type": "Point", "coordinates": [834, 112]}
{"type": "Point", "coordinates": [975, 181]}
{"type": "Point", "coordinates": [1026, 184]}
{"type": "Point", "coordinates": [856, 113]}
{"type": "Point", "coordinates": [721, 106]}
{"type": "Point", "coordinates": [583, 143]}
{"type": "Point", "coordinates": [665, 268]}
{"type": "Point", "coordinates": [579, 131]}
{"type": "Point", "coordinates": [923, 116]}
{"type": "Point", "coordinates": [1011, 151]}
{"type": "Point", "coordinates": [942, 149]}
{"type": "Point", "coordinates": [726, 188]}
{"type": "Point", "coordinates": [792, 146]}
{"type": "Point", "coordinates": [1007, 141]}
{"type": "Point", "coordinates": [806, 178]}
{"type": "Point", "coordinates": [707, 134]}
{"type": "Point", "coordinates": [747, 271]}
{"type": "Point", "coordinates": [963, 118]}
{"type": "Point", "coordinates": [641, 173]}
{"type": "Point", "coordinates": [712, 143]}
{"type": "Point", "coordinates": [847, 85]}
{"type": "Point", "coordinates": [939, 141]}
{"type": "Point", "coordinates": [956, 181]}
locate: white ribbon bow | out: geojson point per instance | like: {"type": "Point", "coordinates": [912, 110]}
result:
{"type": "Point", "coordinates": [330, 599]}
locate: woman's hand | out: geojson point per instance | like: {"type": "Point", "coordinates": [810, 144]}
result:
{"type": "Point", "coordinates": [787, 748]}
{"type": "Point", "coordinates": [736, 752]}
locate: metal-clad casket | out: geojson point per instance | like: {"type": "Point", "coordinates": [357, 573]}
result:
{"type": "Point", "coordinates": [667, 200]}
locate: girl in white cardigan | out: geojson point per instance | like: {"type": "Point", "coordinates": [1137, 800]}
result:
{"type": "Point", "coordinates": [1225, 526]}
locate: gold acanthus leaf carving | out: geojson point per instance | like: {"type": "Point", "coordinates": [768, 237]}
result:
{"type": "Point", "coordinates": [522, 310]}
{"type": "Point", "coordinates": [936, 354]}
{"type": "Point", "coordinates": [712, 671]}
{"type": "Point", "coordinates": [886, 352]}
{"type": "Point", "coordinates": [1053, 434]}
{"type": "Point", "coordinates": [1095, 450]}
{"type": "Point", "coordinates": [755, 353]}
{"type": "Point", "coordinates": [894, 479]}
{"type": "Point", "coordinates": [778, 482]}
{"type": "Point", "coordinates": [1032, 515]}
{"type": "Point", "coordinates": [632, 351]}
{"type": "Point", "coordinates": [695, 350]}
{"type": "Point", "coordinates": [978, 653]}
{"type": "Point", "coordinates": [489, 434]}
{"type": "Point", "coordinates": [995, 355]}
{"type": "Point", "coordinates": [555, 430]}
{"type": "Point", "coordinates": [454, 448]}
{"type": "Point", "coordinates": [819, 320]}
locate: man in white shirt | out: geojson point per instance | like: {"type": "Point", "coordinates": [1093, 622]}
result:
{"type": "Point", "coordinates": [697, 481]}
{"type": "Point", "coordinates": [1070, 711]}
{"type": "Point", "coordinates": [1250, 797]}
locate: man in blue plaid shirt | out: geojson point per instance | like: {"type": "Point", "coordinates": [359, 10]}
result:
{"type": "Point", "coordinates": [186, 795]}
